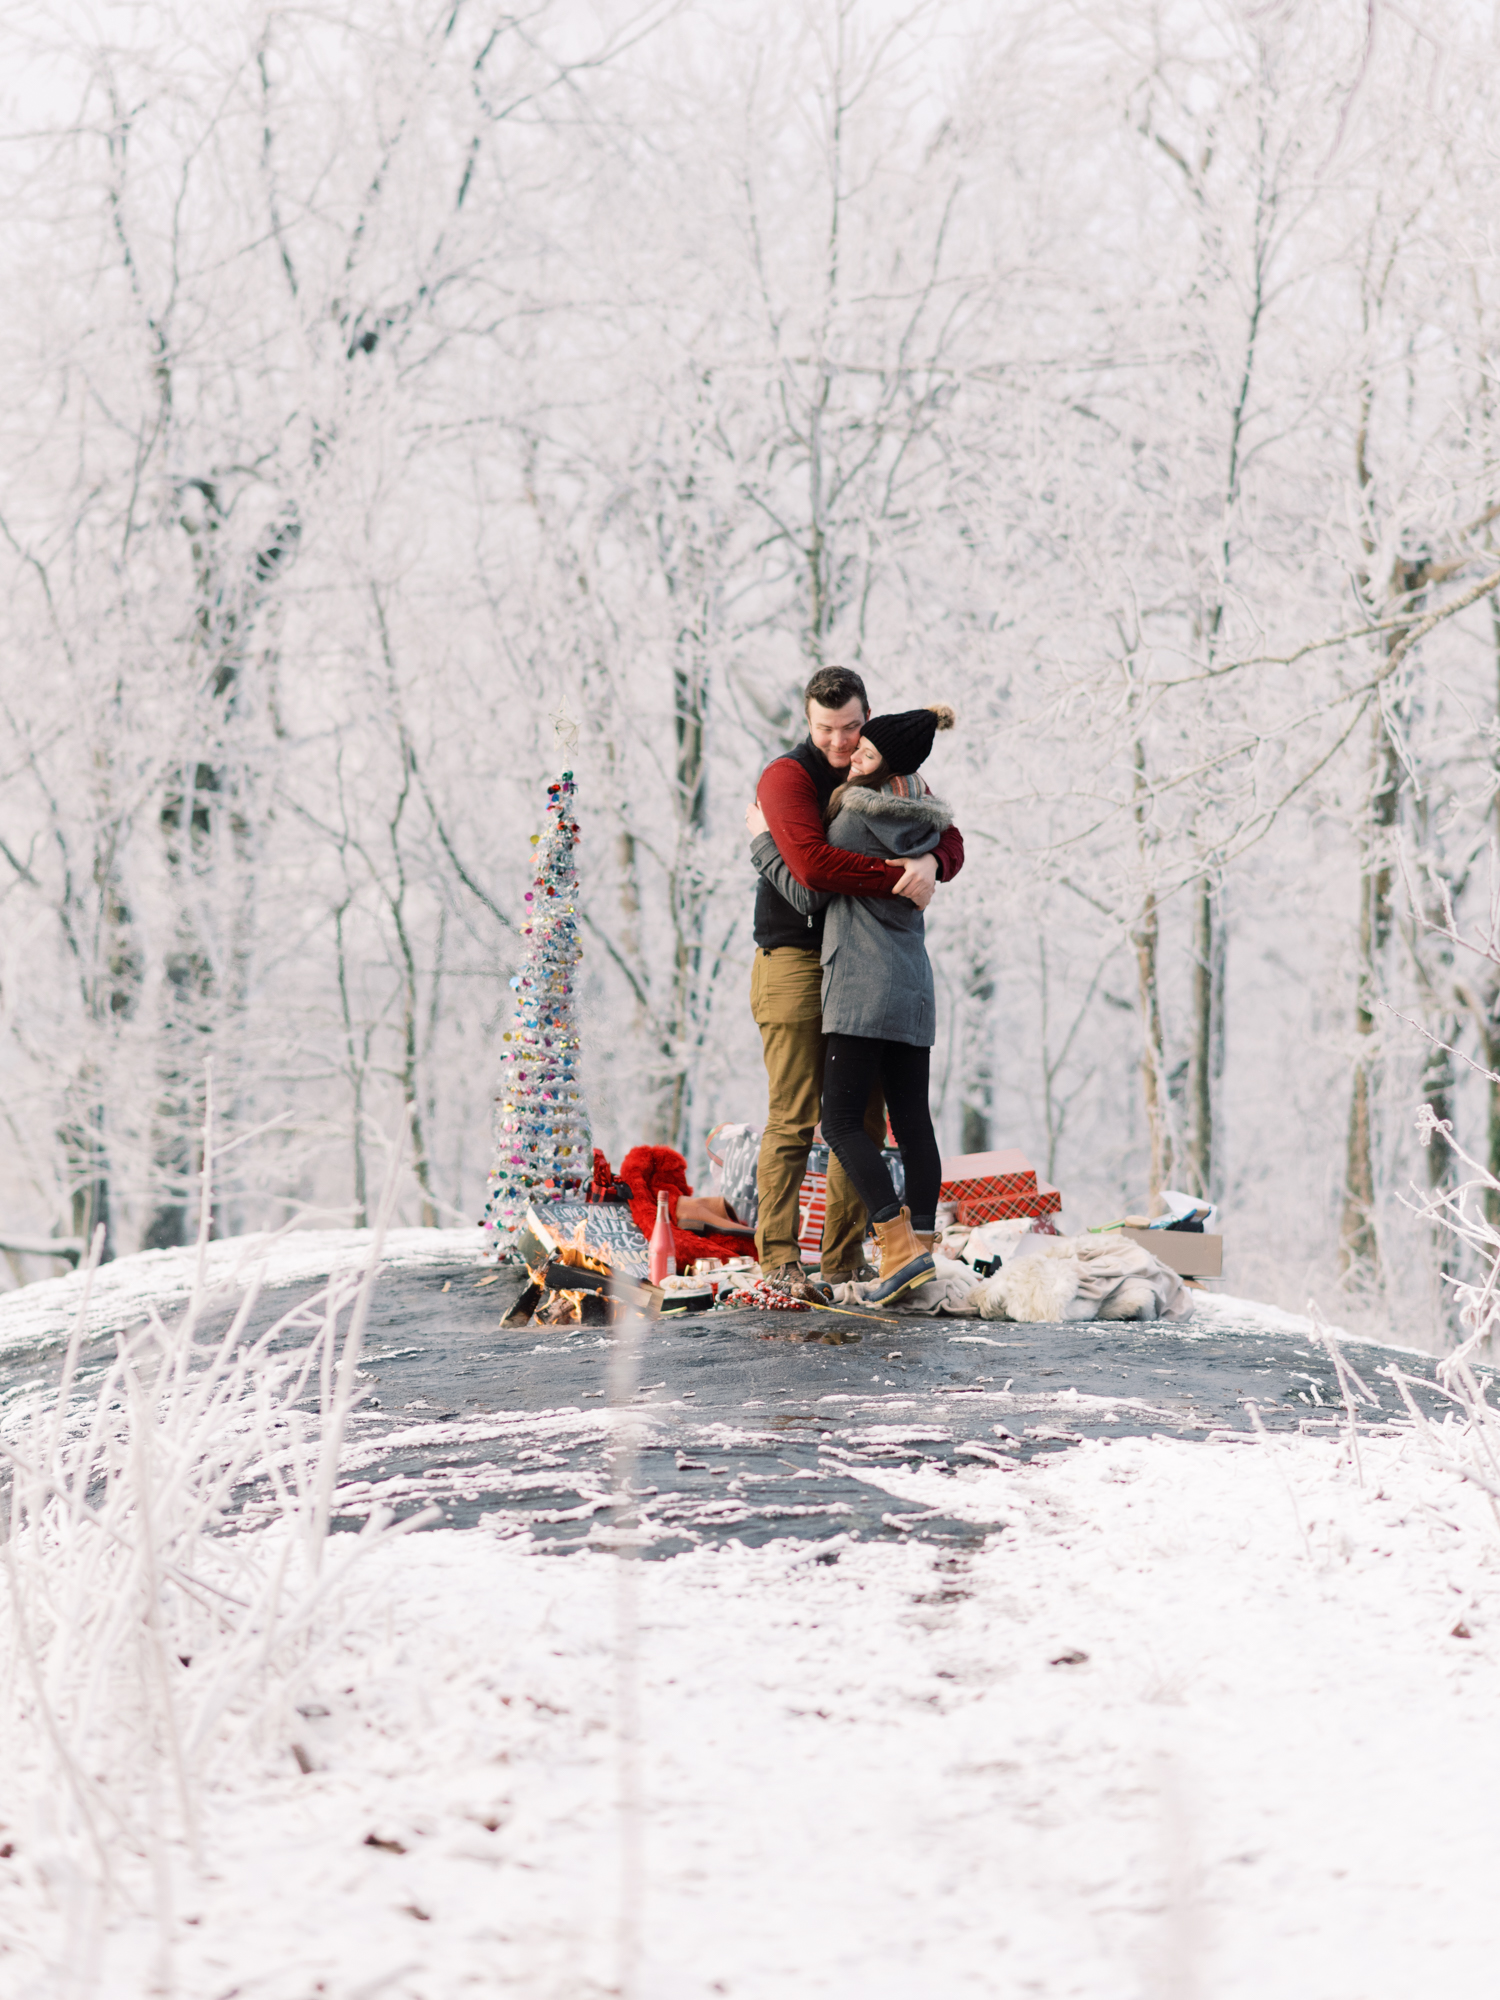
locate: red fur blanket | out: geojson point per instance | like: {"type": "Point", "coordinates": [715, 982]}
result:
{"type": "Point", "coordinates": [646, 1170]}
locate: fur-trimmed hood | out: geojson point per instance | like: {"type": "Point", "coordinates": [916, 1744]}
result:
{"type": "Point", "coordinates": [925, 810]}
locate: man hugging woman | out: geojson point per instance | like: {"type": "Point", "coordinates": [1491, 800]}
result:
{"type": "Point", "coordinates": [879, 1011]}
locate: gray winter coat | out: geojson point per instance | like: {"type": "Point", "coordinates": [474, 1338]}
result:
{"type": "Point", "coordinates": [877, 980]}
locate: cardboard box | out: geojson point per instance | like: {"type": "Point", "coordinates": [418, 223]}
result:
{"type": "Point", "coordinates": [1188, 1252]}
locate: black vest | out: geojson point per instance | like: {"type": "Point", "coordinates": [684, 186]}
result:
{"type": "Point", "coordinates": [776, 922]}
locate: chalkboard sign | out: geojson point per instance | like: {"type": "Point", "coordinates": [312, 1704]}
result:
{"type": "Point", "coordinates": [608, 1229]}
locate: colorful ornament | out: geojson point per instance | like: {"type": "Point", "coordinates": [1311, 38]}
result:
{"type": "Point", "coordinates": [543, 1146]}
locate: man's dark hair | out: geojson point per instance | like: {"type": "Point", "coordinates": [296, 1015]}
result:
{"type": "Point", "coordinates": [833, 687]}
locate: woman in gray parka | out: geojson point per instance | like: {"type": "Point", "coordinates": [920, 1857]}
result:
{"type": "Point", "coordinates": [879, 1009]}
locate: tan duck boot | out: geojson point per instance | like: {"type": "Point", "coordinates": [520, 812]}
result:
{"type": "Point", "coordinates": [904, 1264]}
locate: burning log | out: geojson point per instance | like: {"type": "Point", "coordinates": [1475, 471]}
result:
{"type": "Point", "coordinates": [520, 1313]}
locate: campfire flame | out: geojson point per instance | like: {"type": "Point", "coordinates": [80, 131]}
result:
{"type": "Point", "coordinates": [577, 1254]}
{"type": "Point", "coordinates": [560, 1308]}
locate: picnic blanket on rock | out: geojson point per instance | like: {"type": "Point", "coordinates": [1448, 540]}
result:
{"type": "Point", "coordinates": [948, 1295]}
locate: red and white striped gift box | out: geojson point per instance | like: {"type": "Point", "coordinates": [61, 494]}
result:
{"type": "Point", "coordinates": [811, 1215]}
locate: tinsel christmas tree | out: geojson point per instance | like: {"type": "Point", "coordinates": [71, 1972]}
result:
{"type": "Point", "coordinates": [543, 1149]}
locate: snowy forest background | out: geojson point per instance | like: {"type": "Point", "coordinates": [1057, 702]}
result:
{"type": "Point", "coordinates": [378, 383]}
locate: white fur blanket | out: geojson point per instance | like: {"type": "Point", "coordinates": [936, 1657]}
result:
{"type": "Point", "coordinates": [1048, 1279]}
{"type": "Point", "coordinates": [1081, 1277]}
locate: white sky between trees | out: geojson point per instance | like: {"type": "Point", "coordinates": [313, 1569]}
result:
{"type": "Point", "coordinates": [379, 382]}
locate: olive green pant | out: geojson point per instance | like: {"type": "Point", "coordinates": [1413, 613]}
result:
{"type": "Point", "coordinates": [786, 999]}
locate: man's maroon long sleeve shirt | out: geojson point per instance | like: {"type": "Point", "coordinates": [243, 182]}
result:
{"type": "Point", "coordinates": [789, 800]}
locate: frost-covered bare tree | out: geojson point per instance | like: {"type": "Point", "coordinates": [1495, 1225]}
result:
{"type": "Point", "coordinates": [1233, 560]}
{"type": "Point", "coordinates": [785, 483]}
{"type": "Point", "coordinates": [1425, 467]}
{"type": "Point", "coordinates": [271, 251]}
{"type": "Point", "coordinates": [1175, 480]}
{"type": "Point", "coordinates": [387, 383]}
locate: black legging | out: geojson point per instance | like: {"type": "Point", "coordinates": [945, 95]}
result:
{"type": "Point", "coordinates": [852, 1064]}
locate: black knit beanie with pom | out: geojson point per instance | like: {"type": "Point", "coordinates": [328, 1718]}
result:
{"type": "Point", "coordinates": [905, 740]}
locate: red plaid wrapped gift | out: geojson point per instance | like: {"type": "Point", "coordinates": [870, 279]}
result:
{"type": "Point", "coordinates": [1003, 1207]}
{"type": "Point", "coordinates": [811, 1216]}
{"type": "Point", "coordinates": [988, 1176]}
{"type": "Point", "coordinates": [997, 1187]}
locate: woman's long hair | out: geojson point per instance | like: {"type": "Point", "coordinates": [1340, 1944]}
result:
{"type": "Point", "coordinates": [871, 782]}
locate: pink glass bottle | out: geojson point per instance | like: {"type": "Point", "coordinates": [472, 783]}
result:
{"type": "Point", "coordinates": [663, 1259]}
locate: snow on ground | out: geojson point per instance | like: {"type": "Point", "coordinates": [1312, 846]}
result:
{"type": "Point", "coordinates": [39, 1315]}
{"type": "Point", "coordinates": [1210, 1307]}
{"type": "Point", "coordinates": [1277, 1769]}
{"type": "Point", "coordinates": [1189, 1719]}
